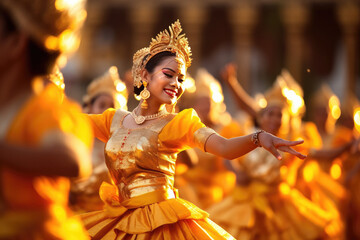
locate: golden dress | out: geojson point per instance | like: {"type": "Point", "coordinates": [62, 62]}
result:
{"type": "Point", "coordinates": [350, 177]}
{"type": "Point", "coordinates": [142, 203]}
{"type": "Point", "coordinates": [36, 206]}
{"type": "Point", "coordinates": [268, 205]}
{"type": "Point", "coordinates": [209, 179]}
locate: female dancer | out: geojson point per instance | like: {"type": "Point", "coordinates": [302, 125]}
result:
{"type": "Point", "coordinates": [142, 146]}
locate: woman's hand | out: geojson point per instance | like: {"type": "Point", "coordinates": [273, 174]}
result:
{"type": "Point", "coordinates": [229, 73]}
{"type": "Point", "coordinates": [273, 144]}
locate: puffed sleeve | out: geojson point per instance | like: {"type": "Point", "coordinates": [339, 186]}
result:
{"type": "Point", "coordinates": [184, 131]}
{"type": "Point", "coordinates": [101, 124]}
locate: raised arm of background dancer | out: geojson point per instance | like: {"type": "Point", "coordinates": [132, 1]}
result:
{"type": "Point", "coordinates": [62, 159]}
{"type": "Point", "coordinates": [243, 99]}
{"type": "Point", "coordinates": [331, 153]}
{"type": "Point", "coordinates": [236, 147]}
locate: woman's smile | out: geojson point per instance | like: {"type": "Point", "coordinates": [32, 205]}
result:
{"type": "Point", "coordinates": [171, 92]}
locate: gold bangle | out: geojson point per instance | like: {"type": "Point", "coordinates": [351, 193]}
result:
{"type": "Point", "coordinates": [255, 138]}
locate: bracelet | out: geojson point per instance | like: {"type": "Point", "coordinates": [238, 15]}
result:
{"type": "Point", "coordinates": [255, 138]}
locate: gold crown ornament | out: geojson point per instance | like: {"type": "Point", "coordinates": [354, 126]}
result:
{"type": "Point", "coordinates": [111, 84]}
{"type": "Point", "coordinates": [54, 24]}
{"type": "Point", "coordinates": [57, 78]}
{"type": "Point", "coordinates": [171, 41]}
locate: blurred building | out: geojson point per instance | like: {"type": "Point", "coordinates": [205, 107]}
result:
{"type": "Point", "coordinates": [317, 40]}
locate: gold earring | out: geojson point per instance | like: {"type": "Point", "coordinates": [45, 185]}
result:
{"type": "Point", "coordinates": [145, 94]}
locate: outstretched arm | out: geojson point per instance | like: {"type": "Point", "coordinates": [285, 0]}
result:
{"type": "Point", "coordinates": [244, 100]}
{"type": "Point", "coordinates": [238, 146]}
{"type": "Point", "coordinates": [331, 153]}
{"type": "Point", "coordinates": [63, 157]}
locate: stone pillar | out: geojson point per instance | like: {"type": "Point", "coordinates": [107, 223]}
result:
{"type": "Point", "coordinates": [295, 16]}
{"type": "Point", "coordinates": [192, 19]}
{"type": "Point", "coordinates": [349, 15]}
{"type": "Point", "coordinates": [143, 18]}
{"type": "Point", "coordinates": [95, 13]}
{"type": "Point", "coordinates": [243, 18]}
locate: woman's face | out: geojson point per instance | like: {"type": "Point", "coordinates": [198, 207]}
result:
{"type": "Point", "coordinates": [101, 103]}
{"type": "Point", "coordinates": [165, 84]}
{"type": "Point", "coordinates": [270, 119]}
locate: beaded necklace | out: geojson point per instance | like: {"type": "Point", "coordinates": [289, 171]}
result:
{"type": "Point", "coordinates": [139, 119]}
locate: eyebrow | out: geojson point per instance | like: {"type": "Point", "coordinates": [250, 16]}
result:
{"type": "Point", "coordinates": [180, 75]}
{"type": "Point", "coordinates": [170, 69]}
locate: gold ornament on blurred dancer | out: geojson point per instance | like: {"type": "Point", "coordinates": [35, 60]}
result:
{"type": "Point", "coordinates": [208, 87]}
{"type": "Point", "coordinates": [53, 24]}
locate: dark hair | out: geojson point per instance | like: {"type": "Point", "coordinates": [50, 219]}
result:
{"type": "Point", "coordinates": [151, 64]}
{"type": "Point", "coordinates": [41, 61]}
{"type": "Point", "coordinates": [9, 25]}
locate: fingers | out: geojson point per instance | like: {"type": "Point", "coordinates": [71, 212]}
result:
{"type": "Point", "coordinates": [274, 152]}
{"type": "Point", "coordinates": [292, 151]}
{"type": "Point", "coordinates": [283, 142]}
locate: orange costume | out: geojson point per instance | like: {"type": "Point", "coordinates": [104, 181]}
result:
{"type": "Point", "coordinates": [35, 206]}
{"type": "Point", "coordinates": [209, 178]}
{"type": "Point", "coordinates": [268, 205]}
{"type": "Point", "coordinates": [38, 204]}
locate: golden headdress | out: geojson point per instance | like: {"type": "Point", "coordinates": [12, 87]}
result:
{"type": "Point", "coordinates": [274, 95]}
{"type": "Point", "coordinates": [111, 84]}
{"type": "Point", "coordinates": [54, 24]}
{"type": "Point", "coordinates": [324, 96]}
{"type": "Point", "coordinates": [293, 93]}
{"type": "Point", "coordinates": [171, 41]}
{"type": "Point", "coordinates": [291, 82]}
{"type": "Point", "coordinates": [208, 86]}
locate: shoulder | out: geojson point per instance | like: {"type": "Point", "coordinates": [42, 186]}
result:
{"type": "Point", "coordinates": [118, 113]}
{"type": "Point", "coordinates": [50, 111]}
{"type": "Point", "coordinates": [185, 119]}
{"type": "Point", "coordinates": [186, 113]}
{"type": "Point", "coordinates": [117, 116]}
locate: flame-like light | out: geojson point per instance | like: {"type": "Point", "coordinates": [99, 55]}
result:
{"type": "Point", "coordinates": [310, 171]}
{"type": "Point", "coordinates": [122, 101]}
{"type": "Point", "coordinates": [335, 171]}
{"type": "Point", "coordinates": [296, 102]}
{"type": "Point", "coordinates": [216, 93]}
{"type": "Point", "coordinates": [120, 86]}
{"type": "Point", "coordinates": [260, 99]}
{"type": "Point", "coordinates": [284, 188]}
{"type": "Point", "coordinates": [68, 41]}
{"type": "Point", "coordinates": [357, 119]}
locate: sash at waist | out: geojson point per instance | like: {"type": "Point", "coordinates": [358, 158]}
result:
{"type": "Point", "coordinates": [114, 206]}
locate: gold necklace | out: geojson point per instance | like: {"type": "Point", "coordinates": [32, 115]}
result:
{"type": "Point", "coordinates": [139, 119]}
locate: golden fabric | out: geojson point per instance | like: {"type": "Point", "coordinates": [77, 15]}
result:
{"type": "Point", "coordinates": [272, 205]}
{"type": "Point", "coordinates": [209, 178]}
{"type": "Point", "coordinates": [142, 203]}
{"type": "Point", "coordinates": [38, 204]}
